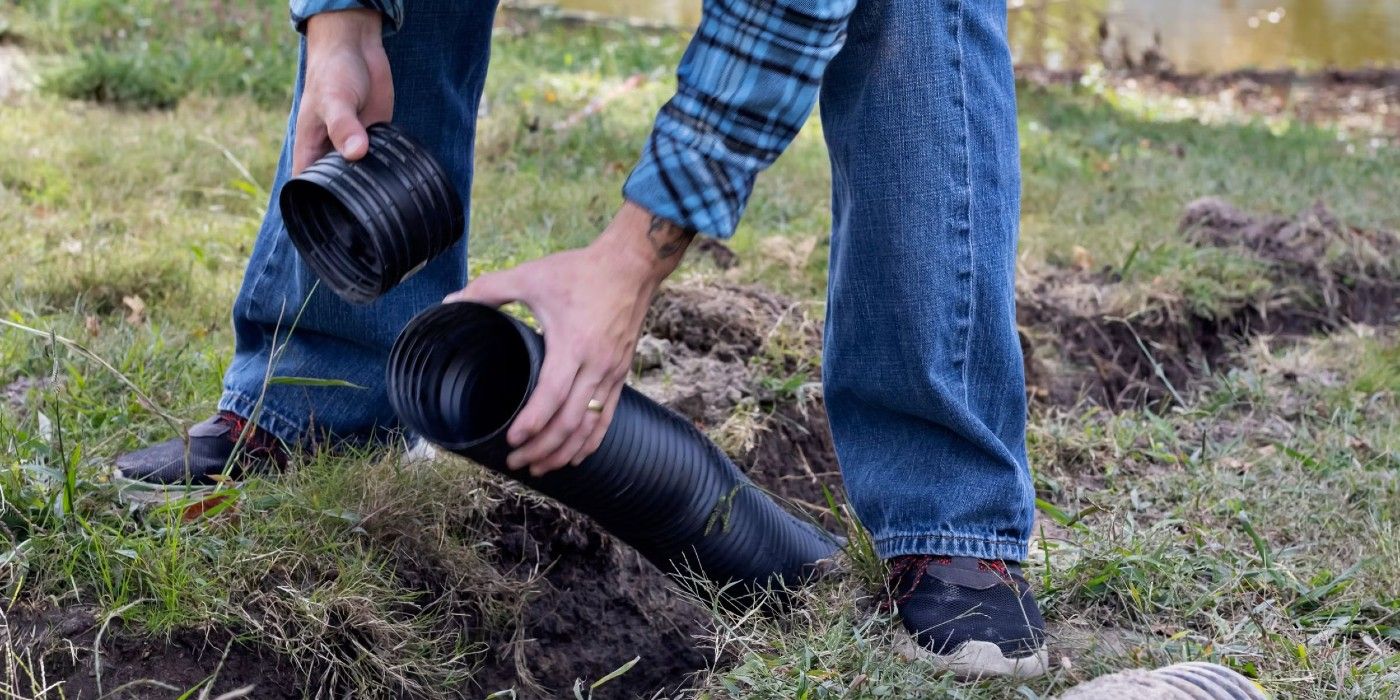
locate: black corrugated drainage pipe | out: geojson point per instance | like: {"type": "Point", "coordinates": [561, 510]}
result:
{"type": "Point", "coordinates": [459, 373]}
{"type": "Point", "coordinates": [364, 226]}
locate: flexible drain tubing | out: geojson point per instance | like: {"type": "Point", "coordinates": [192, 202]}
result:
{"type": "Point", "coordinates": [460, 372]}
{"type": "Point", "coordinates": [364, 226]}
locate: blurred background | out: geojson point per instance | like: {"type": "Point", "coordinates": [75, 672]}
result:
{"type": "Point", "coordinates": [1190, 35]}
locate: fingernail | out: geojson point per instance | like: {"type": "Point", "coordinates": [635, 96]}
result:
{"type": "Point", "coordinates": [513, 462]}
{"type": "Point", "coordinates": [353, 144]}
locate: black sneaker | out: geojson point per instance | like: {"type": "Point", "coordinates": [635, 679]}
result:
{"type": "Point", "coordinates": [973, 617]}
{"type": "Point", "coordinates": [211, 448]}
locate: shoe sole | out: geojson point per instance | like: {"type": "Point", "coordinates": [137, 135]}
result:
{"type": "Point", "coordinates": [974, 661]}
{"type": "Point", "coordinates": [151, 492]}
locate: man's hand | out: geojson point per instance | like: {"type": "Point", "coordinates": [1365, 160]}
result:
{"type": "Point", "coordinates": [590, 303]}
{"type": "Point", "coordinates": [347, 88]}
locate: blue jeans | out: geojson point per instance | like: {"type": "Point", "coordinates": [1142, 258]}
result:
{"type": "Point", "coordinates": [922, 368]}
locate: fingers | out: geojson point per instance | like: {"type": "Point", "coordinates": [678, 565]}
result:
{"type": "Point", "coordinates": [564, 434]}
{"type": "Point", "coordinates": [495, 288]}
{"type": "Point", "coordinates": [596, 424]}
{"type": "Point", "coordinates": [556, 380]}
{"type": "Point", "coordinates": [380, 105]}
{"type": "Point", "coordinates": [335, 126]}
{"type": "Point", "coordinates": [310, 141]}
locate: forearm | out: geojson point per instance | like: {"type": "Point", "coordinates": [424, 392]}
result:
{"type": "Point", "coordinates": [647, 247]}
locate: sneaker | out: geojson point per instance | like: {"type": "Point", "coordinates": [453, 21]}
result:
{"type": "Point", "coordinates": [973, 617]}
{"type": "Point", "coordinates": [211, 448]}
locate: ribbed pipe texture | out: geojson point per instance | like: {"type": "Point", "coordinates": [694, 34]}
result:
{"type": "Point", "coordinates": [365, 226]}
{"type": "Point", "coordinates": [1194, 680]}
{"type": "Point", "coordinates": [458, 375]}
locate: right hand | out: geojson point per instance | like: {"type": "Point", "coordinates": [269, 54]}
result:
{"type": "Point", "coordinates": [347, 86]}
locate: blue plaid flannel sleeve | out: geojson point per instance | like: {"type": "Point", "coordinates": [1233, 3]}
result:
{"type": "Point", "coordinates": [745, 86]}
{"type": "Point", "coordinates": [392, 10]}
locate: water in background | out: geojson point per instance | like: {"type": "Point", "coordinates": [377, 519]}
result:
{"type": "Point", "coordinates": [1192, 35]}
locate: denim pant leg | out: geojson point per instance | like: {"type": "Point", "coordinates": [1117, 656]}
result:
{"type": "Point", "coordinates": [924, 383]}
{"type": "Point", "coordinates": [438, 59]}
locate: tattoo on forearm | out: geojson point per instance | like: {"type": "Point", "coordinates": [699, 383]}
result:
{"type": "Point", "coordinates": [667, 238]}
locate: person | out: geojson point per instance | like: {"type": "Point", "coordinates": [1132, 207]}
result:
{"type": "Point", "coordinates": [922, 368]}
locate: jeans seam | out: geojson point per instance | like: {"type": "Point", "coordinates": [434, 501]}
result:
{"type": "Point", "coordinates": [950, 536]}
{"type": "Point", "coordinates": [949, 544]}
{"type": "Point", "coordinates": [274, 197]}
{"type": "Point", "coordinates": [964, 225]}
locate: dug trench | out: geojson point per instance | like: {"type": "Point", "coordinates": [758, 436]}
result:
{"type": "Point", "coordinates": [743, 363]}
{"type": "Point", "coordinates": [1089, 336]}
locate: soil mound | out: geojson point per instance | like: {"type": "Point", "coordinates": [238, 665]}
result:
{"type": "Point", "coordinates": [1091, 337]}
{"type": "Point", "coordinates": [595, 605]}
{"type": "Point", "coordinates": [707, 352]}
{"type": "Point", "coordinates": [743, 363]}
{"type": "Point", "coordinates": [1365, 101]}
{"type": "Point", "coordinates": [55, 651]}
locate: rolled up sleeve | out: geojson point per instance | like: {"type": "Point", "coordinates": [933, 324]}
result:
{"type": "Point", "coordinates": [746, 85]}
{"type": "Point", "coordinates": [392, 10]}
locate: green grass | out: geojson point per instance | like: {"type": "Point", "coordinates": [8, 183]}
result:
{"type": "Point", "coordinates": [151, 53]}
{"type": "Point", "coordinates": [1255, 526]}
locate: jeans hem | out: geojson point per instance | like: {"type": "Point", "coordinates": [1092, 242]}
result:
{"type": "Point", "coordinates": [951, 545]}
{"type": "Point", "coordinates": [287, 430]}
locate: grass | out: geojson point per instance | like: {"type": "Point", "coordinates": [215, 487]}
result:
{"type": "Point", "coordinates": [1255, 526]}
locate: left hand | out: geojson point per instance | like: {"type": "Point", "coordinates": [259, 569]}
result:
{"type": "Point", "coordinates": [590, 303]}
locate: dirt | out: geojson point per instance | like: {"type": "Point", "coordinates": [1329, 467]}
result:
{"type": "Point", "coordinates": [742, 362]}
{"type": "Point", "coordinates": [597, 606]}
{"type": "Point", "coordinates": [64, 641]}
{"type": "Point", "coordinates": [15, 394]}
{"type": "Point", "coordinates": [1091, 337]}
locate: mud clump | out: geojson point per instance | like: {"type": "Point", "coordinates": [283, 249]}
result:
{"type": "Point", "coordinates": [1089, 336]}
{"type": "Point", "coordinates": [594, 606]}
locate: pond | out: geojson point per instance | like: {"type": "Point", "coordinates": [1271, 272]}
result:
{"type": "Point", "coordinates": [1194, 35]}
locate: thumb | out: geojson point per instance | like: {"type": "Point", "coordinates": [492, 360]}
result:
{"type": "Point", "coordinates": [345, 130]}
{"type": "Point", "coordinates": [494, 289]}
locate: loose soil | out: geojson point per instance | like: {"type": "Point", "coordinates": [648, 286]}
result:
{"type": "Point", "coordinates": [135, 667]}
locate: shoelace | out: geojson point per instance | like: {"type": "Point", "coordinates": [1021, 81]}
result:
{"type": "Point", "coordinates": [915, 567]}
